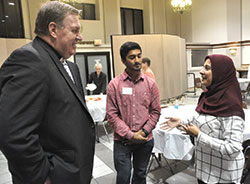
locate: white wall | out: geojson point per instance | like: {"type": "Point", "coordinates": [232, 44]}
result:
{"type": "Point", "coordinates": [246, 30]}
{"type": "Point", "coordinates": [234, 20]}
{"type": "Point", "coordinates": [245, 20]}
{"type": "Point", "coordinates": [209, 21]}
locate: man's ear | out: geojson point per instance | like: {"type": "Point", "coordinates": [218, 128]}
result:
{"type": "Point", "coordinates": [52, 29]}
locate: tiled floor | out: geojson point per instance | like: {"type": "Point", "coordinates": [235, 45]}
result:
{"type": "Point", "coordinates": [104, 172]}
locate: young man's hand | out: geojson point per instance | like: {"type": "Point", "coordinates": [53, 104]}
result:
{"type": "Point", "coordinates": [139, 137]}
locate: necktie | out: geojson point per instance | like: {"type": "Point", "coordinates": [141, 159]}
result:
{"type": "Point", "coordinates": [66, 67]}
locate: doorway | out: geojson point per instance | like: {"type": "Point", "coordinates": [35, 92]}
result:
{"type": "Point", "coordinates": [86, 62]}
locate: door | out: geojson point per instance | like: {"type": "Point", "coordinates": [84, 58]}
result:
{"type": "Point", "coordinates": [86, 62]}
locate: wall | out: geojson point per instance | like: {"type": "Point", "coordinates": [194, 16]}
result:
{"type": "Point", "coordinates": [7, 46]}
{"type": "Point", "coordinates": [92, 30]}
{"type": "Point", "coordinates": [26, 19]}
{"type": "Point", "coordinates": [186, 26]}
{"type": "Point", "coordinates": [173, 21]}
{"type": "Point", "coordinates": [245, 20]}
{"type": "Point", "coordinates": [147, 17]}
{"type": "Point", "coordinates": [112, 19]}
{"type": "Point", "coordinates": [234, 21]}
{"type": "Point", "coordinates": [159, 16]}
{"type": "Point", "coordinates": [3, 49]}
{"type": "Point", "coordinates": [245, 30]}
{"type": "Point", "coordinates": [33, 7]}
{"type": "Point", "coordinates": [209, 21]}
{"type": "Point", "coordinates": [134, 4]}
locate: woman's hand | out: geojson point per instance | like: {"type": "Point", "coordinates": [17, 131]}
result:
{"type": "Point", "coordinates": [191, 129]}
{"type": "Point", "coordinates": [170, 124]}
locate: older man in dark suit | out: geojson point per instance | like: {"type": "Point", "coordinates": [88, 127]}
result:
{"type": "Point", "coordinates": [99, 79]}
{"type": "Point", "coordinates": [46, 131]}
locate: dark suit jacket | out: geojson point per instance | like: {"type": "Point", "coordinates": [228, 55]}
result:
{"type": "Point", "coordinates": [100, 82]}
{"type": "Point", "coordinates": [45, 127]}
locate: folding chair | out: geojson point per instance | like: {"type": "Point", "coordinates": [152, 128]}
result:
{"type": "Point", "coordinates": [246, 92]}
{"type": "Point", "coordinates": [244, 105]}
{"type": "Point", "coordinates": [197, 82]}
{"type": "Point", "coordinates": [104, 123]}
{"type": "Point", "coordinates": [158, 160]}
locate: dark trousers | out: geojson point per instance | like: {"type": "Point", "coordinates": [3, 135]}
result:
{"type": "Point", "coordinates": [201, 182]}
{"type": "Point", "coordinates": [140, 155]}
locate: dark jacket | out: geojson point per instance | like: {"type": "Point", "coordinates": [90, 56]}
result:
{"type": "Point", "coordinates": [45, 127]}
{"type": "Point", "coordinates": [100, 82]}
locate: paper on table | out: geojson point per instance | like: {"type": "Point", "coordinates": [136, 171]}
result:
{"type": "Point", "coordinates": [91, 87]}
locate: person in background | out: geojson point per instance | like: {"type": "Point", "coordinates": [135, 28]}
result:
{"type": "Point", "coordinates": [218, 124]}
{"type": "Point", "coordinates": [133, 109]}
{"type": "Point", "coordinates": [46, 131]}
{"type": "Point", "coordinates": [99, 79]}
{"type": "Point", "coordinates": [146, 68]}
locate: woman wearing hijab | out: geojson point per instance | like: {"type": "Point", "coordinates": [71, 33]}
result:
{"type": "Point", "coordinates": [217, 124]}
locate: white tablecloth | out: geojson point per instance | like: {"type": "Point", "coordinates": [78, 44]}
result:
{"type": "Point", "coordinates": [176, 145]}
{"type": "Point", "coordinates": [173, 144]}
{"type": "Point", "coordinates": [243, 83]}
{"type": "Point", "coordinates": [97, 106]}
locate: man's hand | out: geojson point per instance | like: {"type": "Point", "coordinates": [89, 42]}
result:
{"type": "Point", "coordinates": [170, 124]}
{"type": "Point", "coordinates": [139, 137]}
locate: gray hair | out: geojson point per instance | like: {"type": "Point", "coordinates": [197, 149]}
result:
{"type": "Point", "coordinates": [52, 11]}
{"type": "Point", "coordinates": [98, 64]}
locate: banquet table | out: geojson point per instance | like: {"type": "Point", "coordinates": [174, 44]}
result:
{"type": "Point", "coordinates": [243, 82]}
{"type": "Point", "coordinates": [173, 144]}
{"type": "Point", "coordinates": [176, 145]}
{"type": "Point", "coordinates": [97, 109]}
{"type": "Point", "coordinates": [97, 106]}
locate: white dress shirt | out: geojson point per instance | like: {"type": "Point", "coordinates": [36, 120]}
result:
{"type": "Point", "coordinates": [66, 67]}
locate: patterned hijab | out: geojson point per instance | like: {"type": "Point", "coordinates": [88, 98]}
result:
{"type": "Point", "coordinates": [223, 97]}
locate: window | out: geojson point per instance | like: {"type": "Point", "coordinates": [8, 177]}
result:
{"type": "Point", "coordinates": [88, 10]}
{"type": "Point", "coordinates": [11, 22]}
{"type": "Point", "coordinates": [132, 21]}
{"type": "Point", "coordinates": [198, 57]}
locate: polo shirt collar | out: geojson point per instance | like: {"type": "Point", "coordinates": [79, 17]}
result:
{"type": "Point", "coordinates": [125, 76]}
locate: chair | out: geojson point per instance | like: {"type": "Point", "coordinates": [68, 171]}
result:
{"type": "Point", "coordinates": [197, 82]}
{"type": "Point", "coordinates": [158, 160]}
{"type": "Point", "coordinates": [245, 179]}
{"type": "Point", "coordinates": [244, 105]}
{"type": "Point", "coordinates": [246, 92]}
{"type": "Point", "coordinates": [193, 76]}
{"type": "Point", "coordinates": [104, 123]}
{"type": "Point", "coordinates": [153, 157]}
